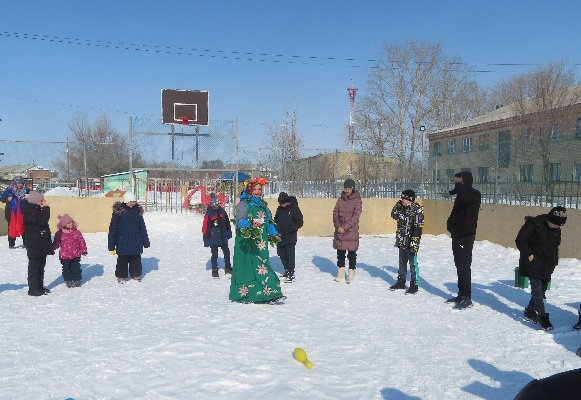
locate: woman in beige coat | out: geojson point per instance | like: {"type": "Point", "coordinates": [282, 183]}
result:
{"type": "Point", "coordinates": [346, 220]}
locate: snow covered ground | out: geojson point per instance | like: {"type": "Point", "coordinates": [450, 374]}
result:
{"type": "Point", "coordinates": [176, 336]}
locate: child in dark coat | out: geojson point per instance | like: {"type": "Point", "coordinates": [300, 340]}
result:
{"type": "Point", "coordinates": [127, 237]}
{"type": "Point", "coordinates": [538, 242]}
{"type": "Point", "coordinates": [216, 231]}
{"type": "Point", "coordinates": [72, 246]}
{"type": "Point", "coordinates": [410, 221]}
{"type": "Point", "coordinates": [289, 220]}
{"type": "Point", "coordinates": [38, 241]}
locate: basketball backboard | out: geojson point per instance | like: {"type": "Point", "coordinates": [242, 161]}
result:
{"type": "Point", "coordinates": [184, 107]}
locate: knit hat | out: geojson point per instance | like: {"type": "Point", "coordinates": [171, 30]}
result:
{"type": "Point", "coordinates": [64, 220]}
{"type": "Point", "coordinates": [349, 183]}
{"type": "Point", "coordinates": [408, 194]}
{"type": "Point", "coordinates": [128, 197]}
{"type": "Point", "coordinates": [34, 197]}
{"type": "Point", "coordinates": [283, 198]}
{"type": "Point", "coordinates": [557, 215]}
{"type": "Point", "coordinates": [214, 201]}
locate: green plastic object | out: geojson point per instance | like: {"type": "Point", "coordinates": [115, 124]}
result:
{"type": "Point", "coordinates": [519, 280]}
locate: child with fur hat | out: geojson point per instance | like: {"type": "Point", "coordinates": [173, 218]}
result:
{"type": "Point", "coordinates": [538, 242]}
{"type": "Point", "coordinates": [410, 221]}
{"type": "Point", "coordinates": [72, 246]}
{"type": "Point", "coordinates": [216, 232]}
{"type": "Point", "coordinates": [38, 241]}
{"type": "Point", "coordinates": [127, 237]}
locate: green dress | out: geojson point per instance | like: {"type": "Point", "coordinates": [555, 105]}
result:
{"type": "Point", "coordinates": [253, 280]}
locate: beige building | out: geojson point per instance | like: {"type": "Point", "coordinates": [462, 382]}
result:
{"type": "Point", "coordinates": [536, 147]}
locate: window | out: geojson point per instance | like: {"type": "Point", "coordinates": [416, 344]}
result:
{"type": "Point", "coordinates": [578, 172]}
{"type": "Point", "coordinates": [450, 175]}
{"type": "Point", "coordinates": [484, 141]}
{"type": "Point", "coordinates": [482, 174]}
{"type": "Point", "coordinates": [452, 146]}
{"type": "Point", "coordinates": [467, 144]}
{"type": "Point", "coordinates": [526, 173]}
{"type": "Point", "coordinates": [504, 138]}
{"type": "Point", "coordinates": [578, 128]}
{"type": "Point", "coordinates": [555, 169]}
{"type": "Point", "coordinates": [437, 149]}
{"type": "Point", "coordinates": [526, 133]}
{"type": "Point", "coordinates": [435, 175]}
{"type": "Point", "coordinates": [555, 131]}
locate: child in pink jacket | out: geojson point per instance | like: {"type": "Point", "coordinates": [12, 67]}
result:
{"type": "Point", "coordinates": [73, 246]}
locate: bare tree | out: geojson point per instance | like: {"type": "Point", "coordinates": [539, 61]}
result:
{"type": "Point", "coordinates": [413, 85]}
{"type": "Point", "coordinates": [540, 101]}
{"type": "Point", "coordinates": [95, 150]}
{"type": "Point", "coordinates": [285, 146]}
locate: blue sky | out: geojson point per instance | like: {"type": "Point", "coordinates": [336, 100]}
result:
{"type": "Point", "coordinates": [44, 84]}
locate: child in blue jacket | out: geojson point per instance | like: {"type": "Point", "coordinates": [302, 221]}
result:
{"type": "Point", "coordinates": [216, 232]}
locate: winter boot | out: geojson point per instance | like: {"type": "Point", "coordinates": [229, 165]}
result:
{"type": "Point", "coordinates": [35, 293]}
{"type": "Point", "coordinates": [413, 289]}
{"type": "Point", "coordinates": [454, 299]}
{"type": "Point", "coordinates": [70, 284]}
{"type": "Point", "coordinates": [340, 274]}
{"type": "Point", "coordinates": [531, 315]}
{"type": "Point", "coordinates": [463, 303]}
{"type": "Point", "coordinates": [77, 283]}
{"type": "Point", "coordinates": [215, 273]}
{"type": "Point", "coordinates": [351, 275]}
{"type": "Point", "coordinates": [544, 322]}
{"type": "Point", "coordinates": [228, 270]}
{"type": "Point", "coordinates": [44, 290]}
{"type": "Point", "coordinates": [400, 284]}
{"type": "Point", "coordinates": [578, 324]}
{"type": "Point", "coordinates": [290, 277]}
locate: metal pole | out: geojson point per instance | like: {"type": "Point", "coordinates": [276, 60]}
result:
{"type": "Point", "coordinates": [496, 172]}
{"type": "Point", "coordinates": [131, 152]}
{"type": "Point", "coordinates": [235, 180]}
{"type": "Point", "coordinates": [197, 145]}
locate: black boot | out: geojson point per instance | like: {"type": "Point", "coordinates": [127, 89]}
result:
{"type": "Point", "coordinates": [544, 322]}
{"type": "Point", "coordinates": [400, 284]}
{"type": "Point", "coordinates": [578, 324]}
{"type": "Point", "coordinates": [531, 315]}
{"type": "Point", "coordinates": [413, 289]}
{"type": "Point", "coordinates": [215, 273]}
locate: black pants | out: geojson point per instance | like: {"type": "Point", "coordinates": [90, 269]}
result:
{"type": "Point", "coordinates": [12, 241]}
{"type": "Point", "coordinates": [36, 273]}
{"type": "Point", "coordinates": [538, 289]}
{"type": "Point", "coordinates": [462, 249]}
{"type": "Point", "coordinates": [286, 253]}
{"type": "Point", "coordinates": [351, 256]}
{"type": "Point", "coordinates": [134, 264]}
{"type": "Point", "coordinates": [72, 269]}
{"type": "Point", "coordinates": [214, 259]}
{"type": "Point", "coordinates": [405, 257]}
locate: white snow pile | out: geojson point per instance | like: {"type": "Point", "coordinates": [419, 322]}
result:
{"type": "Point", "coordinates": [175, 335]}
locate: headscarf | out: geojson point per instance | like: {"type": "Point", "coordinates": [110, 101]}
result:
{"type": "Point", "coordinates": [18, 192]}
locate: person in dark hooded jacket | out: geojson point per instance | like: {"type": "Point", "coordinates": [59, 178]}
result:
{"type": "Point", "coordinates": [462, 225]}
{"type": "Point", "coordinates": [538, 242]}
{"type": "Point", "coordinates": [127, 237]}
{"type": "Point", "coordinates": [38, 241]}
{"type": "Point", "coordinates": [289, 220]}
{"type": "Point", "coordinates": [216, 231]}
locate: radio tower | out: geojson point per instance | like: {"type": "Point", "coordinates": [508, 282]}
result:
{"type": "Point", "coordinates": [352, 92]}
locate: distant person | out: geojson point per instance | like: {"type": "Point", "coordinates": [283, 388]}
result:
{"type": "Point", "coordinates": [346, 221]}
{"type": "Point", "coordinates": [128, 237]}
{"type": "Point", "coordinates": [38, 241]}
{"type": "Point", "coordinates": [410, 221]}
{"type": "Point", "coordinates": [462, 227]}
{"type": "Point", "coordinates": [216, 231]}
{"type": "Point", "coordinates": [14, 197]}
{"type": "Point", "coordinates": [289, 220]}
{"type": "Point", "coordinates": [538, 242]}
{"type": "Point", "coordinates": [72, 246]}
{"type": "Point", "coordinates": [253, 280]}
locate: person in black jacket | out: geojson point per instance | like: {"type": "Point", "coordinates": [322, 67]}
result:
{"type": "Point", "coordinates": [127, 237]}
{"type": "Point", "coordinates": [38, 241]}
{"type": "Point", "coordinates": [562, 386]}
{"type": "Point", "coordinates": [289, 220]}
{"type": "Point", "coordinates": [538, 242]}
{"type": "Point", "coordinates": [462, 227]}
{"type": "Point", "coordinates": [216, 231]}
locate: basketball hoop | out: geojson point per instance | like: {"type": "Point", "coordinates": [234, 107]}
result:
{"type": "Point", "coordinates": [185, 120]}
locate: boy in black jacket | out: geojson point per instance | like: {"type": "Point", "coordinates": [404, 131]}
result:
{"type": "Point", "coordinates": [462, 227]}
{"type": "Point", "coordinates": [38, 241]}
{"type": "Point", "coordinates": [538, 242]}
{"type": "Point", "coordinates": [289, 220]}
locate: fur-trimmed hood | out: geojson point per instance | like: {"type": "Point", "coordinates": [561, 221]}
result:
{"type": "Point", "coordinates": [119, 208]}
